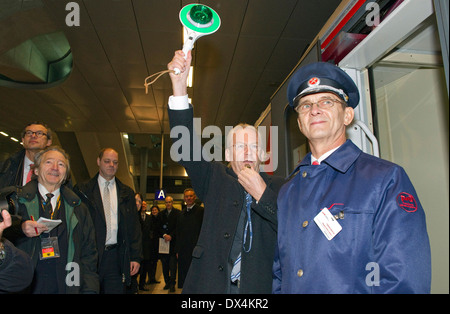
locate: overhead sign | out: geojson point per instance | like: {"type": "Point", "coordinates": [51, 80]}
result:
{"type": "Point", "coordinates": [160, 195]}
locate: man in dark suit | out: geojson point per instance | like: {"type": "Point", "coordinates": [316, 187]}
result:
{"type": "Point", "coordinates": [169, 219]}
{"type": "Point", "coordinates": [17, 169]}
{"type": "Point", "coordinates": [236, 246]}
{"type": "Point", "coordinates": [118, 234]}
{"type": "Point", "coordinates": [188, 229]}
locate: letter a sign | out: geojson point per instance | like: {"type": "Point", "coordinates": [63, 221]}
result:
{"type": "Point", "coordinates": [160, 195]}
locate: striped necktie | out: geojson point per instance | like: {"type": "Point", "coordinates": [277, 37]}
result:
{"type": "Point", "coordinates": [248, 225]}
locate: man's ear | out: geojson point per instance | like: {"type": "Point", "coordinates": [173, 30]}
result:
{"type": "Point", "coordinates": [349, 115]}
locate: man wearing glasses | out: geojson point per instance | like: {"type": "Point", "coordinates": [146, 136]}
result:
{"type": "Point", "coordinates": [348, 222]}
{"type": "Point", "coordinates": [235, 249]}
{"type": "Point", "coordinates": [17, 169]}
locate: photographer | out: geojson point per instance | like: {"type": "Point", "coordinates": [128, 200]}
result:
{"type": "Point", "coordinates": [16, 269]}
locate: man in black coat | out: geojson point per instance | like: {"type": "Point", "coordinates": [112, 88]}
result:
{"type": "Point", "coordinates": [119, 243]}
{"type": "Point", "coordinates": [168, 229]}
{"type": "Point", "coordinates": [235, 250]}
{"type": "Point", "coordinates": [188, 229]}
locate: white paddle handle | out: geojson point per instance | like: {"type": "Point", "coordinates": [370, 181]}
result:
{"type": "Point", "coordinates": [188, 45]}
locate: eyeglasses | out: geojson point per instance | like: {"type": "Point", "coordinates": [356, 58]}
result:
{"type": "Point", "coordinates": [38, 133]}
{"type": "Point", "coordinates": [324, 103]}
{"type": "Point", "coordinates": [241, 147]}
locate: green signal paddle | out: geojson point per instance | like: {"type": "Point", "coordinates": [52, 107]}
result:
{"type": "Point", "coordinates": [198, 20]}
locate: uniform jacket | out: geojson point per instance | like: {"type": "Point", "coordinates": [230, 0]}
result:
{"type": "Point", "coordinates": [81, 238]}
{"type": "Point", "coordinates": [217, 186]}
{"type": "Point", "coordinates": [129, 236]}
{"type": "Point", "coordinates": [383, 246]}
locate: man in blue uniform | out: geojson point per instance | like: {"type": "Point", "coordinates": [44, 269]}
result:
{"type": "Point", "coordinates": [348, 222]}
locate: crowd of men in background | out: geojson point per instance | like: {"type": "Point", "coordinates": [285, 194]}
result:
{"type": "Point", "coordinates": [95, 237]}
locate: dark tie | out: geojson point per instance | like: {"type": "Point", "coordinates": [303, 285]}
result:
{"type": "Point", "coordinates": [248, 224]}
{"type": "Point", "coordinates": [48, 209]}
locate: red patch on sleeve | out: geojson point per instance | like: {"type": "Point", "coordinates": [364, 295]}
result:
{"type": "Point", "coordinates": [407, 202]}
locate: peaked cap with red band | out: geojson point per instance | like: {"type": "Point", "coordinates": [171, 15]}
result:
{"type": "Point", "coordinates": [320, 77]}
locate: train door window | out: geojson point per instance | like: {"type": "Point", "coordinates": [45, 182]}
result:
{"type": "Point", "coordinates": [297, 143]}
{"type": "Point", "coordinates": [411, 120]}
{"type": "Point", "coordinates": [411, 103]}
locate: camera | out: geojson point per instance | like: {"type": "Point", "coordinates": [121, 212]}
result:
{"type": "Point", "coordinates": [7, 200]}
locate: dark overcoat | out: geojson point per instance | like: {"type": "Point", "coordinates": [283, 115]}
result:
{"type": "Point", "coordinates": [223, 196]}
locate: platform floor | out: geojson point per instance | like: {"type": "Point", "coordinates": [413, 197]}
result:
{"type": "Point", "coordinates": [159, 288]}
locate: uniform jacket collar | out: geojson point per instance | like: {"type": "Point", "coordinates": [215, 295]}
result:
{"type": "Point", "coordinates": [341, 159]}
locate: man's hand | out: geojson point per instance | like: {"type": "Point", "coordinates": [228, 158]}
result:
{"type": "Point", "coordinates": [167, 237]}
{"type": "Point", "coordinates": [252, 182]}
{"type": "Point", "coordinates": [32, 228]}
{"type": "Point", "coordinates": [134, 268]}
{"type": "Point", "coordinates": [179, 82]}
{"type": "Point", "coordinates": [6, 221]}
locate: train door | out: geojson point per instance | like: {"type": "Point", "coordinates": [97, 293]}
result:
{"type": "Point", "coordinates": [406, 93]}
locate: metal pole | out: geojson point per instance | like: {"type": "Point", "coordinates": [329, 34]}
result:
{"type": "Point", "coordinates": [162, 160]}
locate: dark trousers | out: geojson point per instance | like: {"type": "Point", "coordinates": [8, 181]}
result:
{"type": "Point", "coordinates": [152, 270]}
{"type": "Point", "coordinates": [169, 266]}
{"type": "Point", "coordinates": [143, 271]}
{"type": "Point", "coordinates": [109, 273]}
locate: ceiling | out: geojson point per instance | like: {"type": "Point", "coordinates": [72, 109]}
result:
{"type": "Point", "coordinates": [121, 42]}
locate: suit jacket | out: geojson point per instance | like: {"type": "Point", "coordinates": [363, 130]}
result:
{"type": "Point", "coordinates": [129, 236]}
{"type": "Point", "coordinates": [12, 170]}
{"type": "Point", "coordinates": [188, 230]}
{"type": "Point", "coordinates": [146, 234]}
{"type": "Point", "coordinates": [169, 225]}
{"type": "Point", "coordinates": [224, 198]}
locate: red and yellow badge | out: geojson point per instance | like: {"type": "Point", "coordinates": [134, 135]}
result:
{"type": "Point", "coordinates": [48, 252]}
{"type": "Point", "coordinates": [407, 202]}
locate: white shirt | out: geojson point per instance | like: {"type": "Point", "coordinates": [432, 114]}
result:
{"type": "Point", "coordinates": [43, 191]}
{"type": "Point", "coordinates": [113, 201]}
{"type": "Point", "coordinates": [323, 157]}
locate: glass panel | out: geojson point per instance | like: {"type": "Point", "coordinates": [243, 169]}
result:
{"type": "Point", "coordinates": [412, 123]}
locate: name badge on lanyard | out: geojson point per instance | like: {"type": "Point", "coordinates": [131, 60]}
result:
{"type": "Point", "coordinates": [49, 248]}
{"type": "Point", "coordinates": [327, 223]}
